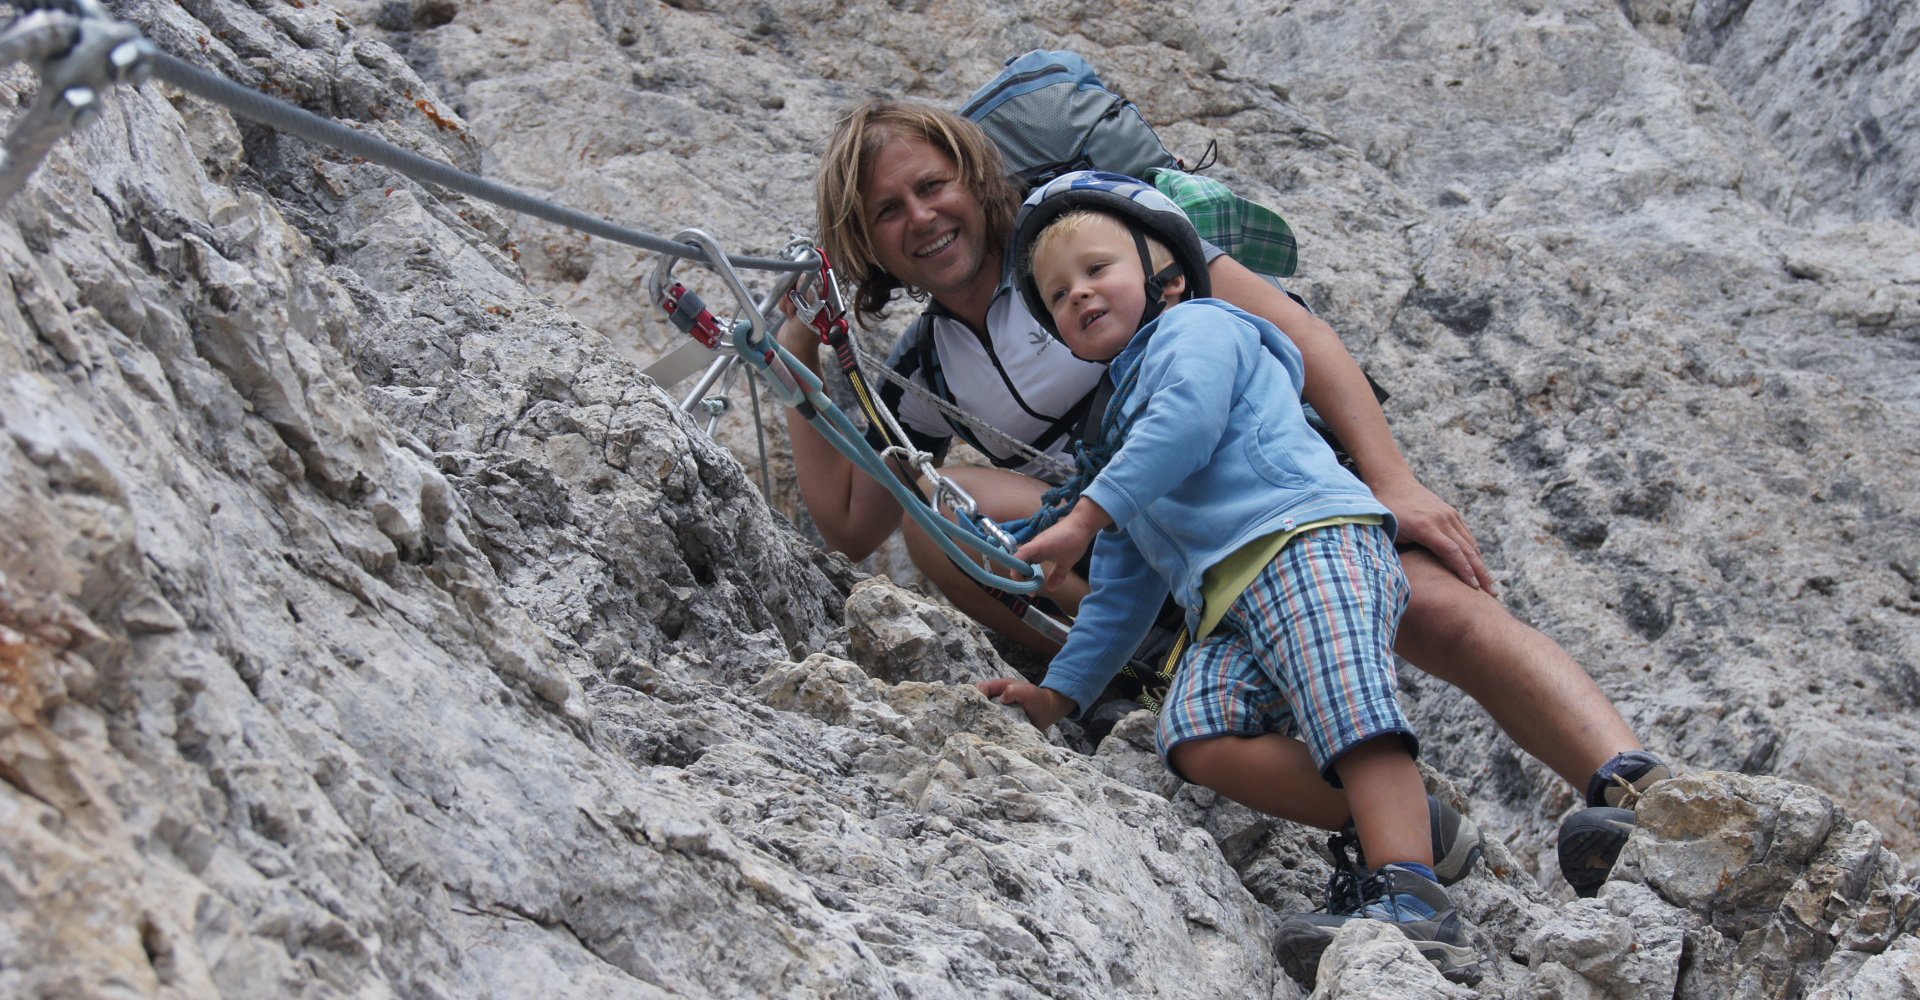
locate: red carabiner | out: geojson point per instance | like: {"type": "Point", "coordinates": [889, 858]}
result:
{"type": "Point", "coordinates": [686, 311]}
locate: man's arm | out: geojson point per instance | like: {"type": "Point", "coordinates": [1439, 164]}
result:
{"type": "Point", "coordinates": [1339, 392]}
{"type": "Point", "coordinates": [854, 513]}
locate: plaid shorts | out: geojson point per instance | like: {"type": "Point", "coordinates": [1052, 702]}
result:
{"type": "Point", "coordinates": [1306, 651]}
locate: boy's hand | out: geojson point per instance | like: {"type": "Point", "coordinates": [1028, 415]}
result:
{"type": "Point", "coordinates": [1044, 706]}
{"type": "Point", "coordinates": [1058, 548]}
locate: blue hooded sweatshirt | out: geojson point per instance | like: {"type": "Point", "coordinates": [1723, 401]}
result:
{"type": "Point", "coordinates": [1219, 455]}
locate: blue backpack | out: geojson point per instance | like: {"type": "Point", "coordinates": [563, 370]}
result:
{"type": "Point", "coordinates": [1050, 114]}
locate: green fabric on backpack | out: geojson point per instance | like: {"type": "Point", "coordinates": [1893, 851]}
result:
{"type": "Point", "coordinates": [1250, 233]}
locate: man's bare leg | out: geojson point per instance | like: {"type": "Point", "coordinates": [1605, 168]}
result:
{"type": "Point", "coordinates": [1536, 692]}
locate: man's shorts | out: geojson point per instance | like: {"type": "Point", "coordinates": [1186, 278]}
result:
{"type": "Point", "coordinates": [1306, 651]}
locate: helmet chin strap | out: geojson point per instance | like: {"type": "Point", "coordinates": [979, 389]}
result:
{"type": "Point", "coordinates": [1156, 288]}
{"type": "Point", "coordinates": [1156, 283]}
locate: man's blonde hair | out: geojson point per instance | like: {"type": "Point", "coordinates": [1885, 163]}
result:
{"type": "Point", "coordinates": [839, 194]}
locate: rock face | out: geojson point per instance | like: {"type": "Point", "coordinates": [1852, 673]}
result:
{"type": "Point", "coordinates": [370, 626]}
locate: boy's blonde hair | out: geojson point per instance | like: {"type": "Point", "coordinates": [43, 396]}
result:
{"type": "Point", "coordinates": [1075, 222]}
{"type": "Point", "coordinates": [839, 188]}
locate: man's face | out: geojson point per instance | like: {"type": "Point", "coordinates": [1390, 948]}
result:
{"type": "Point", "coordinates": [928, 229]}
{"type": "Point", "coordinates": [1093, 286]}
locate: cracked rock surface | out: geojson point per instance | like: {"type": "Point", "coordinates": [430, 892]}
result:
{"type": "Point", "coordinates": [371, 626]}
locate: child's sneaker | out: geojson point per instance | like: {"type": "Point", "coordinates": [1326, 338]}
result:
{"type": "Point", "coordinates": [1415, 904]}
{"type": "Point", "coordinates": [1591, 839]}
{"type": "Point", "coordinates": [1457, 844]}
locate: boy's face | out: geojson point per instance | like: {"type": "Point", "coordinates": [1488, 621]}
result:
{"type": "Point", "coordinates": [1093, 286]}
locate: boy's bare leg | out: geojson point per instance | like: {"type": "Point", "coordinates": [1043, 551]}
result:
{"type": "Point", "coordinates": [1536, 692]}
{"type": "Point", "coordinates": [1003, 496]}
{"type": "Point", "coordinates": [1389, 802]}
{"type": "Point", "coordinates": [1539, 695]}
{"type": "Point", "coordinates": [1275, 775]}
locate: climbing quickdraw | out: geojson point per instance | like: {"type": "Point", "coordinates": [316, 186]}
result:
{"type": "Point", "coordinates": [826, 308]}
{"type": "Point", "coordinates": [821, 305]}
{"type": "Point", "coordinates": [798, 387]}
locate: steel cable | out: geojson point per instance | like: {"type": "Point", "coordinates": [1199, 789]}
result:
{"type": "Point", "coordinates": [252, 104]}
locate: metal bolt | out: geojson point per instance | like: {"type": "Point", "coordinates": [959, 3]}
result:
{"type": "Point", "coordinates": [129, 60]}
{"type": "Point", "coordinates": [83, 105]}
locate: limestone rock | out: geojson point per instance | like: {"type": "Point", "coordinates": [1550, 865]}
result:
{"type": "Point", "coordinates": [369, 625]}
{"type": "Point", "coordinates": [1628, 943]}
{"type": "Point", "coordinates": [1807, 893]}
{"type": "Point", "coordinates": [1371, 959]}
{"type": "Point", "coordinates": [897, 635]}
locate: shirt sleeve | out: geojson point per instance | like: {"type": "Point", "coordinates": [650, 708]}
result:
{"type": "Point", "coordinates": [1113, 619]}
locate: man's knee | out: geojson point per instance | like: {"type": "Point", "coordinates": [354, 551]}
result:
{"type": "Point", "coordinates": [933, 561]}
{"type": "Point", "coordinates": [1442, 604]}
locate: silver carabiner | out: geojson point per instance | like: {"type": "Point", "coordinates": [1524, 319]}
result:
{"type": "Point", "coordinates": [718, 262]}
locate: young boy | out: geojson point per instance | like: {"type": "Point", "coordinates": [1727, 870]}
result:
{"type": "Point", "coordinates": [1215, 486]}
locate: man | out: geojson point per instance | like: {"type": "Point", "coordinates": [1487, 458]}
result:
{"type": "Point", "coordinates": [911, 196]}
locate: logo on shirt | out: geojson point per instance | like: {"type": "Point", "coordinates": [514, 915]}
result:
{"type": "Point", "coordinates": [1039, 339]}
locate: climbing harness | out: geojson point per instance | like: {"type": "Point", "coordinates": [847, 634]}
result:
{"type": "Point", "coordinates": [79, 51]}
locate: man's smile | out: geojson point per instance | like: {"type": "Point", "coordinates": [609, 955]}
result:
{"type": "Point", "coordinates": [937, 245]}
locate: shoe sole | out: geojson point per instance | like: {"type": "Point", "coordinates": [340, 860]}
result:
{"type": "Point", "coordinates": [1590, 843]}
{"type": "Point", "coordinates": [1300, 956]}
{"type": "Point", "coordinates": [1457, 964]}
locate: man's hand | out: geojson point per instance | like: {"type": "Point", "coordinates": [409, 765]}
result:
{"type": "Point", "coordinates": [800, 340]}
{"type": "Point", "coordinates": [1432, 523]}
{"type": "Point", "coordinates": [1044, 706]}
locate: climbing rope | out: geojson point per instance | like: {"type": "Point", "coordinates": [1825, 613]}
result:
{"type": "Point", "coordinates": [1047, 465]}
{"type": "Point", "coordinates": [79, 51]}
{"type": "Point", "coordinates": [1090, 459]}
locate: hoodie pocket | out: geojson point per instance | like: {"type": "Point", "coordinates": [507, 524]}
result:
{"type": "Point", "coordinates": [1270, 456]}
